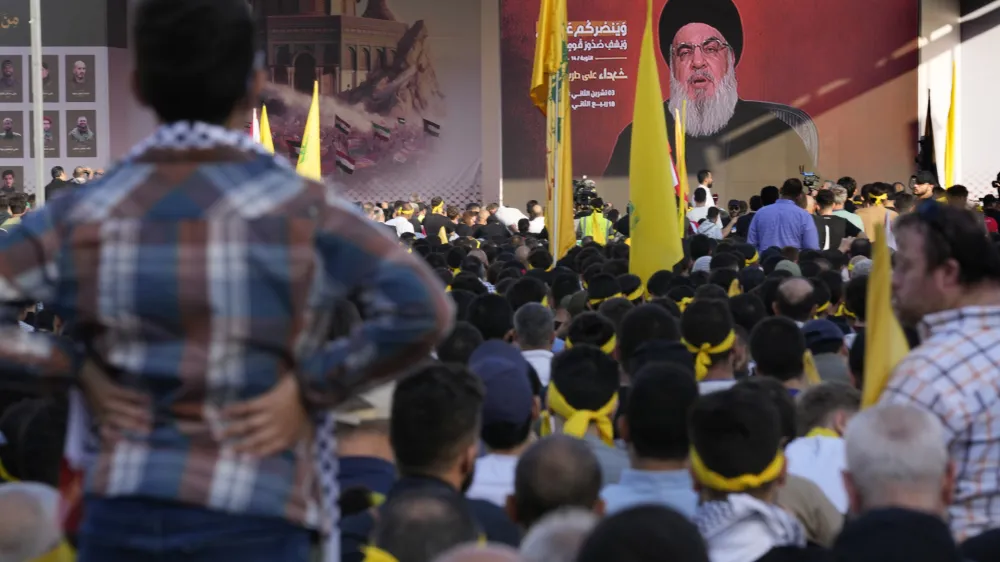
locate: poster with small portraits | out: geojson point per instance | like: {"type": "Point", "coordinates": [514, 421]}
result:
{"type": "Point", "coordinates": [11, 178]}
{"type": "Point", "coordinates": [50, 128]}
{"type": "Point", "coordinates": [11, 134]}
{"type": "Point", "coordinates": [81, 138]}
{"type": "Point", "coordinates": [80, 78]}
{"type": "Point", "coordinates": [11, 78]}
{"type": "Point", "coordinates": [50, 79]}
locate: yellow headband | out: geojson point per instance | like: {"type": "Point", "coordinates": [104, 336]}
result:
{"type": "Point", "coordinates": [608, 347]}
{"type": "Point", "coordinates": [809, 368]}
{"type": "Point", "coordinates": [822, 308]}
{"type": "Point", "coordinates": [63, 552]}
{"type": "Point", "coordinates": [704, 352]}
{"type": "Point", "coordinates": [456, 271]}
{"type": "Point", "coordinates": [880, 199]}
{"type": "Point", "coordinates": [595, 302]}
{"type": "Point", "coordinates": [376, 554]}
{"type": "Point", "coordinates": [545, 302]}
{"type": "Point", "coordinates": [438, 209]}
{"type": "Point", "coordinates": [734, 288]}
{"type": "Point", "coordinates": [822, 432]}
{"type": "Point", "coordinates": [6, 476]}
{"type": "Point", "coordinates": [636, 294]}
{"type": "Point", "coordinates": [578, 421]}
{"type": "Point", "coordinates": [684, 302]}
{"type": "Point", "coordinates": [842, 311]}
{"type": "Point", "coordinates": [752, 260]}
{"type": "Point", "coordinates": [720, 483]}
{"type": "Point", "coordinates": [406, 213]}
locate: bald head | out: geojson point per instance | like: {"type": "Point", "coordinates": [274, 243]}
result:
{"type": "Point", "coordinates": [472, 553]}
{"type": "Point", "coordinates": [795, 299]}
{"type": "Point", "coordinates": [522, 254]}
{"type": "Point", "coordinates": [556, 472]}
{"type": "Point", "coordinates": [29, 521]}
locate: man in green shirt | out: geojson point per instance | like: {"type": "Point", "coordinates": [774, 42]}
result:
{"type": "Point", "coordinates": [839, 199]}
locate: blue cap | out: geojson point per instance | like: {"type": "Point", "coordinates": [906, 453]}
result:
{"type": "Point", "coordinates": [819, 332]}
{"type": "Point", "coordinates": [504, 372]}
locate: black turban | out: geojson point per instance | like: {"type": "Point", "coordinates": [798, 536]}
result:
{"type": "Point", "coordinates": [720, 14]}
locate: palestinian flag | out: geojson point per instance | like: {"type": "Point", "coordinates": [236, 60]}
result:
{"type": "Point", "coordinates": [345, 162]}
{"type": "Point", "coordinates": [432, 128]}
{"type": "Point", "coordinates": [342, 126]}
{"type": "Point", "coordinates": [401, 121]}
{"type": "Point", "coordinates": [381, 131]}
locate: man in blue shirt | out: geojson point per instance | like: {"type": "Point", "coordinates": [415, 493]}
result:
{"type": "Point", "coordinates": [784, 223]}
{"type": "Point", "coordinates": [656, 429]}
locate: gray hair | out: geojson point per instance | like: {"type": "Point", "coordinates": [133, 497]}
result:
{"type": "Point", "coordinates": [839, 194]}
{"type": "Point", "coordinates": [535, 326]}
{"type": "Point", "coordinates": [29, 521]}
{"type": "Point", "coordinates": [895, 448]}
{"type": "Point", "coordinates": [558, 536]}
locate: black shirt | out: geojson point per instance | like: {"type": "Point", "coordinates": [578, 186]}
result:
{"type": "Point", "coordinates": [464, 230]}
{"type": "Point", "coordinates": [832, 230]}
{"type": "Point", "coordinates": [742, 227]}
{"type": "Point", "coordinates": [434, 223]}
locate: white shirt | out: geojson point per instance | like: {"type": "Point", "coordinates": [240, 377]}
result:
{"type": "Point", "coordinates": [708, 387]}
{"type": "Point", "coordinates": [698, 213]}
{"type": "Point", "coordinates": [822, 460]}
{"type": "Point", "coordinates": [709, 202]}
{"type": "Point", "coordinates": [401, 224]}
{"type": "Point", "coordinates": [494, 479]}
{"type": "Point", "coordinates": [537, 224]}
{"type": "Point", "coordinates": [508, 216]}
{"type": "Point", "coordinates": [541, 361]}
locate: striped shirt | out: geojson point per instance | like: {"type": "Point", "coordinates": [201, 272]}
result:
{"type": "Point", "coordinates": [199, 276]}
{"type": "Point", "coordinates": [955, 375]}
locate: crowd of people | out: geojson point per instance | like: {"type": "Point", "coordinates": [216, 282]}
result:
{"type": "Point", "coordinates": [205, 356]}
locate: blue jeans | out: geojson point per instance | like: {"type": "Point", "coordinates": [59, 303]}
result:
{"type": "Point", "coordinates": [148, 530]}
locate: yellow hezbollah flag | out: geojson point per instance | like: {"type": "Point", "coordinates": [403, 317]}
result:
{"type": "Point", "coordinates": [265, 131]}
{"type": "Point", "coordinates": [550, 93]}
{"type": "Point", "coordinates": [309, 153]}
{"type": "Point", "coordinates": [949, 137]}
{"type": "Point", "coordinates": [656, 243]}
{"type": "Point", "coordinates": [680, 145]}
{"type": "Point", "coordinates": [885, 343]}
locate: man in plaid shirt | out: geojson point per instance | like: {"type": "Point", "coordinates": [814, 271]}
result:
{"type": "Point", "coordinates": [947, 279]}
{"type": "Point", "coordinates": [199, 274]}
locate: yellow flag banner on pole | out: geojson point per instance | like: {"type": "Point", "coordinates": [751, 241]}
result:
{"type": "Point", "coordinates": [949, 137]}
{"type": "Point", "coordinates": [309, 153]}
{"type": "Point", "coordinates": [266, 140]}
{"type": "Point", "coordinates": [885, 342]}
{"type": "Point", "coordinates": [680, 146]}
{"type": "Point", "coordinates": [550, 93]}
{"type": "Point", "coordinates": [656, 243]}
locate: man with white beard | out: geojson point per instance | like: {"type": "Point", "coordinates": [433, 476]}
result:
{"type": "Point", "coordinates": [702, 41]}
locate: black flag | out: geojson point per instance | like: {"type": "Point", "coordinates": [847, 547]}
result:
{"type": "Point", "coordinates": [926, 159]}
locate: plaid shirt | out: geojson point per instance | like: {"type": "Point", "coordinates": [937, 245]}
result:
{"type": "Point", "coordinates": [199, 277]}
{"type": "Point", "coordinates": [955, 374]}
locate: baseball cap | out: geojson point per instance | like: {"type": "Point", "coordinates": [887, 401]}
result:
{"type": "Point", "coordinates": [818, 332]}
{"type": "Point", "coordinates": [374, 405]}
{"type": "Point", "coordinates": [924, 177]}
{"type": "Point", "coordinates": [504, 372]}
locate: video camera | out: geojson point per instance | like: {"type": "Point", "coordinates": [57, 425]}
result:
{"type": "Point", "coordinates": [584, 190]}
{"type": "Point", "coordinates": [809, 179]}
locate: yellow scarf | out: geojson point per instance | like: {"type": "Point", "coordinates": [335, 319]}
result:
{"type": "Point", "coordinates": [684, 302]}
{"type": "Point", "coordinates": [376, 554]}
{"type": "Point", "coordinates": [704, 352]}
{"type": "Point", "coordinates": [720, 483]}
{"type": "Point", "coordinates": [809, 368]}
{"type": "Point", "coordinates": [822, 432]}
{"type": "Point", "coordinates": [752, 260]}
{"type": "Point", "coordinates": [608, 347]}
{"type": "Point", "coordinates": [442, 235]}
{"type": "Point", "coordinates": [734, 288]}
{"type": "Point", "coordinates": [596, 231]}
{"type": "Point", "coordinates": [578, 421]}
{"type": "Point", "coordinates": [6, 476]}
